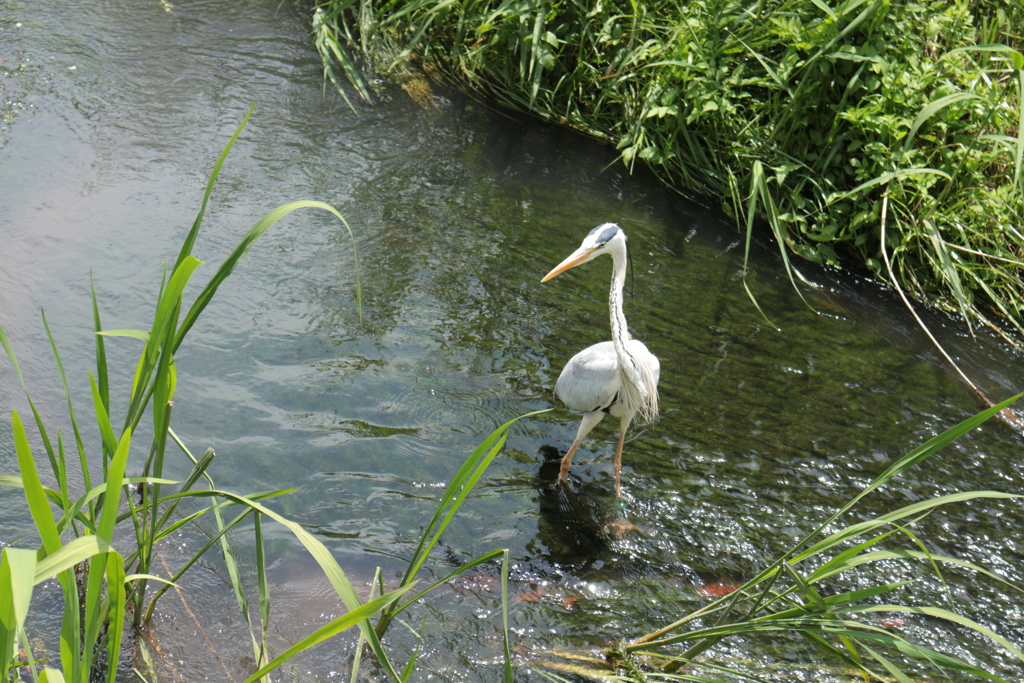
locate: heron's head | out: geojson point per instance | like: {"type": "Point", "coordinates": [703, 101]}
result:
{"type": "Point", "coordinates": [604, 239]}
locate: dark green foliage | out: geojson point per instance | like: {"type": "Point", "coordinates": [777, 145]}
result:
{"type": "Point", "coordinates": [814, 109]}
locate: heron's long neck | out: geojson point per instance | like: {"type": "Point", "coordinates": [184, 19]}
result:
{"type": "Point", "coordinates": [620, 332]}
{"type": "Point", "coordinates": [640, 392]}
{"type": "Point", "coordinates": [632, 381]}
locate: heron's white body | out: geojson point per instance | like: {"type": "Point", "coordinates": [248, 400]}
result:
{"type": "Point", "coordinates": [619, 377]}
{"type": "Point", "coordinates": [591, 380]}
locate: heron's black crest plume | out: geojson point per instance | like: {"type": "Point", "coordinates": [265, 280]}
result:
{"type": "Point", "coordinates": [632, 278]}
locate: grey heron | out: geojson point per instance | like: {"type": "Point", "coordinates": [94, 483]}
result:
{"type": "Point", "coordinates": [620, 376]}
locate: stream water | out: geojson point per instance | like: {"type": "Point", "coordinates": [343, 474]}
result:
{"type": "Point", "coordinates": [112, 115]}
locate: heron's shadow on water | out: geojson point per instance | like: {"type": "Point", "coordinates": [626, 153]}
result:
{"type": "Point", "coordinates": [574, 518]}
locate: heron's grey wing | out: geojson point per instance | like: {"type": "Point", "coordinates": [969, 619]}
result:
{"type": "Point", "coordinates": [590, 380]}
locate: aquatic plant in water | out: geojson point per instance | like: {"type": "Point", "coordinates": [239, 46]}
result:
{"type": "Point", "coordinates": [797, 594]}
{"type": "Point", "coordinates": [100, 596]}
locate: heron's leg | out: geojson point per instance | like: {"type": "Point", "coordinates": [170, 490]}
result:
{"type": "Point", "coordinates": [563, 474]}
{"type": "Point", "coordinates": [588, 422]}
{"type": "Point", "coordinates": [623, 426]}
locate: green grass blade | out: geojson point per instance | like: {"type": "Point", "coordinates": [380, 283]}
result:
{"type": "Point", "coordinates": [102, 420]}
{"type": "Point", "coordinates": [11, 480]}
{"type": "Point", "coordinates": [946, 267]}
{"type": "Point", "coordinates": [190, 240]}
{"type": "Point", "coordinates": [838, 563]}
{"type": "Point", "coordinates": [116, 615]}
{"type": "Point", "coordinates": [5, 342]}
{"type": "Point", "coordinates": [939, 613]}
{"type": "Point", "coordinates": [855, 530]}
{"type": "Point", "coordinates": [168, 305]}
{"type": "Point", "coordinates": [356, 616]}
{"type": "Point", "coordinates": [893, 670]}
{"type": "Point", "coordinates": [236, 584]}
{"type": "Point", "coordinates": [945, 559]}
{"type": "Point", "coordinates": [920, 453]}
{"type": "Point", "coordinates": [507, 651]}
{"type": "Point", "coordinates": [101, 351]}
{"type": "Point", "coordinates": [93, 615]}
{"type": "Point", "coordinates": [410, 666]}
{"type": "Point", "coordinates": [894, 175]}
{"type": "Point", "coordinates": [864, 593]}
{"type": "Point", "coordinates": [432, 530]}
{"type": "Point", "coordinates": [38, 503]}
{"type": "Point", "coordinates": [810, 595]}
{"type": "Point", "coordinates": [930, 111]}
{"type": "Point", "coordinates": [1018, 156]}
{"type": "Point", "coordinates": [1016, 58]}
{"type": "Point", "coordinates": [455, 505]}
{"type": "Point", "coordinates": [115, 478]}
{"type": "Point", "coordinates": [264, 592]}
{"type": "Point", "coordinates": [326, 41]}
{"type": "Point", "coordinates": [134, 334]}
{"type": "Point", "coordinates": [342, 586]}
{"type": "Point", "coordinates": [462, 569]}
{"type": "Point", "coordinates": [71, 410]}
{"type": "Point", "coordinates": [198, 470]}
{"type": "Point", "coordinates": [72, 511]}
{"type": "Point", "coordinates": [901, 465]}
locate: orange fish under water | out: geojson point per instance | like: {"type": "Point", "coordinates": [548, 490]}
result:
{"type": "Point", "coordinates": [716, 590]}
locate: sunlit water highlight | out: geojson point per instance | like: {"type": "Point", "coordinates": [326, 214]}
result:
{"type": "Point", "coordinates": [112, 117]}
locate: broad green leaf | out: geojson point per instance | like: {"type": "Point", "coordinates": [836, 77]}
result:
{"type": "Point", "coordinates": [51, 676]}
{"type": "Point", "coordinates": [38, 503]}
{"type": "Point", "coordinates": [16, 570]}
{"type": "Point", "coordinates": [71, 555]}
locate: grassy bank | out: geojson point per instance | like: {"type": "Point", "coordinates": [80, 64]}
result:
{"type": "Point", "coordinates": [813, 115]}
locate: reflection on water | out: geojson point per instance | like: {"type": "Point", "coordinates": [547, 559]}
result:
{"type": "Point", "coordinates": [766, 425]}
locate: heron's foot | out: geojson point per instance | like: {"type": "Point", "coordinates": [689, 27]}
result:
{"type": "Point", "coordinates": [620, 528]}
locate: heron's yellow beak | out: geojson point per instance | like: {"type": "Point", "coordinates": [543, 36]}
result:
{"type": "Point", "coordinates": [574, 259]}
